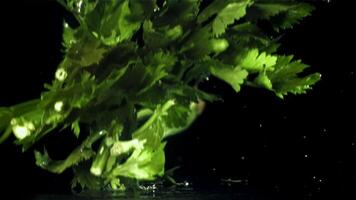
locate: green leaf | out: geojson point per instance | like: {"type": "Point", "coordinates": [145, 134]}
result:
{"type": "Point", "coordinates": [177, 12]}
{"type": "Point", "coordinates": [253, 61]}
{"type": "Point", "coordinates": [68, 36]}
{"type": "Point", "coordinates": [288, 19]}
{"type": "Point", "coordinates": [180, 117]}
{"type": "Point", "coordinates": [234, 76]}
{"type": "Point", "coordinates": [198, 44]}
{"type": "Point", "coordinates": [153, 129]}
{"type": "Point", "coordinates": [157, 67]}
{"type": "Point", "coordinates": [263, 80]}
{"type": "Point", "coordinates": [250, 35]}
{"type": "Point", "coordinates": [84, 178]}
{"type": "Point", "coordinates": [146, 164]}
{"type": "Point", "coordinates": [141, 10]}
{"type": "Point", "coordinates": [160, 60]}
{"type": "Point", "coordinates": [155, 38]}
{"type": "Point", "coordinates": [76, 128]}
{"type": "Point", "coordinates": [212, 9]}
{"type": "Point", "coordinates": [228, 15]}
{"type": "Point", "coordinates": [176, 116]}
{"type": "Point", "coordinates": [112, 21]}
{"type": "Point", "coordinates": [132, 72]}
{"type": "Point", "coordinates": [286, 79]}
{"type": "Point", "coordinates": [82, 49]}
{"type": "Point", "coordinates": [282, 14]}
{"type": "Point", "coordinates": [45, 162]}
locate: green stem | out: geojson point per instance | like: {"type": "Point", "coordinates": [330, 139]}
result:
{"type": "Point", "coordinates": [157, 113]}
{"type": "Point", "coordinates": [6, 134]}
{"type": "Point", "coordinates": [100, 160]}
{"type": "Point", "coordinates": [22, 108]}
{"type": "Point", "coordinates": [143, 113]}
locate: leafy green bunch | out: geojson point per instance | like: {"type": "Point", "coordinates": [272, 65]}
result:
{"type": "Point", "coordinates": [131, 72]}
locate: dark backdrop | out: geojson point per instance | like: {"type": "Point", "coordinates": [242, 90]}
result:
{"type": "Point", "coordinates": [300, 147]}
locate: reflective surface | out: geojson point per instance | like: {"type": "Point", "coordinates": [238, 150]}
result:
{"type": "Point", "coordinates": [168, 194]}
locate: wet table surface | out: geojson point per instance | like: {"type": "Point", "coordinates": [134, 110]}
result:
{"type": "Point", "coordinates": [176, 194]}
{"type": "Point", "coordinates": [172, 194]}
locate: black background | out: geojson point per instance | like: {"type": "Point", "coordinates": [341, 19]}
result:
{"type": "Point", "coordinates": [297, 148]}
